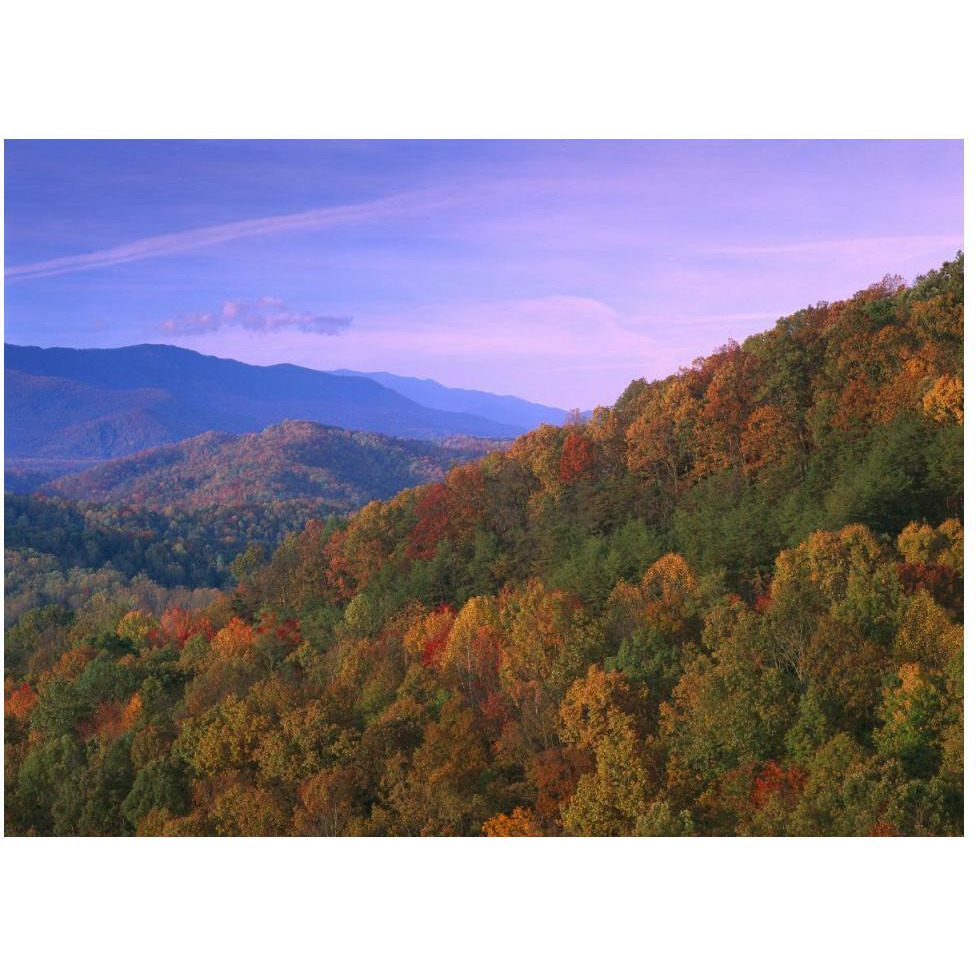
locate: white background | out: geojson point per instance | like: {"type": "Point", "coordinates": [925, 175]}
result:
{"type": "Point", "coordinates": [516, 70]}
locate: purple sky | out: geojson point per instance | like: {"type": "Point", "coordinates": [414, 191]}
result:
{"type": "Point", "coordinates": [556, 271]}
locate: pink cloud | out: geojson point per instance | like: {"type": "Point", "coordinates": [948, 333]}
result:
{"type": "Point", "coordinates": [266, 315]}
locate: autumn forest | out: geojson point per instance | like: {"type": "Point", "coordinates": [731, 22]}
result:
{"type": "Point", "coordinates": [731, 604]}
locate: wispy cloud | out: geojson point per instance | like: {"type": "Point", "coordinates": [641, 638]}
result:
{"type": "Point", "coordinates": [164, 244]}
{"type": "Point", "coordinates": [680, 319]}
{"type": "Point", "coordinates": [858, 245]}
{"type": "Point", "coordinates": [267, 315]}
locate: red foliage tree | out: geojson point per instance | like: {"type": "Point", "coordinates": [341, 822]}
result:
{"type": "Point", "coordinates": [576, 460]}
{"type": "Point", "coordinates": [433, 521]}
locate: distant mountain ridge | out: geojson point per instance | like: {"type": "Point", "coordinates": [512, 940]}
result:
{"type": "Point", "coordinates": [97, 404]}
{"type": "Point", "coordinates": [504, 409]}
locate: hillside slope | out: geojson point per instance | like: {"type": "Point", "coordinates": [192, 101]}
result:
{"type": "Point", "coordinates": [56, 417]}
{"type": "Point", "coordinates": [340, 470]}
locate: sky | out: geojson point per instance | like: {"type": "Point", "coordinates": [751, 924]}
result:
{"type": "Point", "coordinates": [555, 271]}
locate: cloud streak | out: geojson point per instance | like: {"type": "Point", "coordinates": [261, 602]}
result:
{"type": "Point", "coordinates": [267, 316]}
{"type": "Point", "coordinates": [858, 245]}
{"type": "Point", "coordinates": [404, 204]}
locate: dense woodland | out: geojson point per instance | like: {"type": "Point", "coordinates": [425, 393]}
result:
{"type": "Point", "coordinates": [62, 551]}
{"type": "Point", "coordinates": [731, 604]}
{"type": "Point", "coordinates": [174, 518]}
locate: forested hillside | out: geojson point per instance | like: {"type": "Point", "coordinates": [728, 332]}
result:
{"type": "Point", "coordinates": [731, 604]}
{"type": "Point", "coordinates": [62, 551]}
{"type": "Point", "coordinates": [177, 516]}
{"type": "Point", "coordinates": [339, 469]}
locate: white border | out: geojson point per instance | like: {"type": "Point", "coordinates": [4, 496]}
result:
{"type": "Point", "coordinates": [541, 70]}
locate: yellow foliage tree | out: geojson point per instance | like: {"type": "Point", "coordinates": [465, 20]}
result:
{"type": "Point", "coordinates": [519, 823]}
